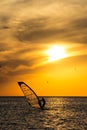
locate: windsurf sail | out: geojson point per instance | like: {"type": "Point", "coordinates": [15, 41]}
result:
{"type": "Point", "coordinates": [30, 95]}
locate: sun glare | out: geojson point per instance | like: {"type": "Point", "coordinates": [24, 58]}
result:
{"type": "Point", "coordinates": [56, 53]}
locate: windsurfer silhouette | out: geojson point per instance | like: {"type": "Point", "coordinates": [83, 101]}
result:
{"type": "Point", "coordinates": [42, 102]}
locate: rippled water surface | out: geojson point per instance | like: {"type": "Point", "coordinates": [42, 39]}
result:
{"type": "Point", "coordinates": [60, 113]}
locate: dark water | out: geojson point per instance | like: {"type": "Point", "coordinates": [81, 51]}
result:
{"type": "Point", "coordinates": [61, 113]}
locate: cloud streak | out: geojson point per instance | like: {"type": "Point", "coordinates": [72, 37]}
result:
{"type": "Point", "coordinates": [39, 30]}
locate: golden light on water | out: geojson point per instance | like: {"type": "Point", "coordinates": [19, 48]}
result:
{"type": "Point", "coordinates": [56, 53]}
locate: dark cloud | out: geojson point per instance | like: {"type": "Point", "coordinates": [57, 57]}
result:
{"type": "Point", "coordinates": [4, 20]}
{"type": "Point", "coordinates": [4, 46]}
{"type": "Point", "coordinates": [80, 23]}
{"type": "Point", "coordinates": [50, 21]}
{"type": "Point", "coordinates": [37, 30]}
{"type": "Point", "coordinates": [14, 65]}
{"type": "Point", "coordinates": [44, 29]}
{"type": "Point", "coordinates": [77, 30]}
{"type": "Point", "coordinates": [30, 29]}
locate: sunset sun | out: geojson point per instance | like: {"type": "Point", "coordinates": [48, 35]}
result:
{"type": "Point", "coordinates": [56, 53]}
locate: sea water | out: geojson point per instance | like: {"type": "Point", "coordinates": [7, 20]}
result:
{"type": "Point", "coordinates": [60, 113]}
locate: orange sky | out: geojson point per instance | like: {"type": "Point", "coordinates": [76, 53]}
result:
{"type": "Point", "coordinates": [28, 33]}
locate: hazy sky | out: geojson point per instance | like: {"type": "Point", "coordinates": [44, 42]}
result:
{"type": "Point", "coordinates": [30, 27]}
